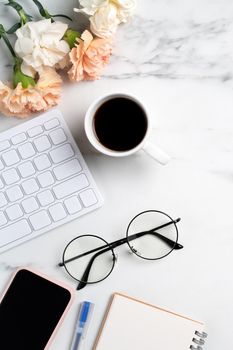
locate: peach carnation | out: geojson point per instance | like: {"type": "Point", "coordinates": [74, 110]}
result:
{"type": "Point", "coordinates": [89, 57]}
{"type": "Point", "coordinates": [21, 102]}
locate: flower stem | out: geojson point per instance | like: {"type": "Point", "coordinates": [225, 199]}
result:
{"type": "Point", "coordinates": [45, 13]}
{"type": "Point", "coordinates": [6, 40]}
{"type": "Point", "coordinates": [24, 17]}
{"type": "Point", "coordinates": [18, 76]}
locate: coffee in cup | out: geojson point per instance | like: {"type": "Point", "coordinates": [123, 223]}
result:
{"type": "Point", "coordinates": [118, 125]}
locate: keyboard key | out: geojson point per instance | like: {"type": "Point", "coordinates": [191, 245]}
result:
{"type": "Point", "coordinates": [14, 212]}
{"type": "Point", "coordinates": [26, 150]}
{"type": "Point", "coordinates": [3, 200]}
{"type": "Point", "coordinates": [3, 219]}
{"type": "Point", "coordinates": [67, 169]}
{"type": "Point", "coordinates": [42, 179]}
{"type": "Point", "coordinates": [40, 220]}
{"type": "Point", "coordinates": [88, 197]}
{"type": "Point", "coordinates": [4, 145]}
{"type": "Point", "coordinates": [45, 198]}
{"type": "Point", "coordinates": [10, 157]}
{"type": "Point", "coordinates": [58, 136]}
{"type": "Point", "coordinates": [10, 176]}
{"type": "Point", "coordinates": [14, 193]}
{"type": "Point", "coordinates": [26, 169]}
{"type": "Point", "coordinates": [57, 212]}
{"type": "Point", "coordinates": [30, 186]}
{"type": "Point", "coordinates": [29, 205]}
{"type": "Point", "coordinates": [46, 179]}
{"type": "Point", "coordinates": [18, 138]}
{"type": "Point", "coordinates": [42, 162]}
{"type": "Point", "coordinates": [37, 130]}
{"type": "Point", "coordinates": [73, 205]}
{"type": "Point", "coordinates": [62, 153]}
{"type": "Point", "coordinates": [13, 232]}
{"type": "Point", "coordinates": [1, 165]}
{"type": "Point", "coordinates": [42, 143]}
{"type": "Point", "coordinates": [51, 124]}
{"type": "Point", "coordinates": [70, 186]}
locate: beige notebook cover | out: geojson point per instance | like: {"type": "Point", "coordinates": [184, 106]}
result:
{"type": "Point", "coordinates": [130, 324]}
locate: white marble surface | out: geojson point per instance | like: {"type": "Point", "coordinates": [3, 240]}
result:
{"type": "Point", "coordinates": [177, 57]}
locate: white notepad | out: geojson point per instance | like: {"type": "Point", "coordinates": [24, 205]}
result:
{"type": "Point", "coordinates": [130, 324]}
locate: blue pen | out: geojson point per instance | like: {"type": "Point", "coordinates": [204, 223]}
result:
{"type": "Point", "coordinates": [85, 312]}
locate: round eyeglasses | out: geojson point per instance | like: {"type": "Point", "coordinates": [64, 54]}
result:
{"type": "Point", "coordinates": [150, 235]}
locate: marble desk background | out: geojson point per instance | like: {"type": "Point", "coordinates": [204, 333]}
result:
{"type": "Point", "coordinates": [177, 56]}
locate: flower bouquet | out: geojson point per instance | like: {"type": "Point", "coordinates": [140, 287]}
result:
{"type": "Point", "coordinates": [47, 46]}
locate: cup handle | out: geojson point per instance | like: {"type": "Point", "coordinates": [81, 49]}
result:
{"type": "Point", "coordinates": [156, 153]}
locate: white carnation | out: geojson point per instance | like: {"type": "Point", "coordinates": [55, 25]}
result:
{"type": "Point", "coordinates": [40, 44]}
{"type": "Point", "coordinates": [105, 21]}
{"type": "Point", "coordinates": [107, 14]}
{"type": "Point", "coordinates": [125, 9]}
{"type": "Point", "coordinates": [90, 7]}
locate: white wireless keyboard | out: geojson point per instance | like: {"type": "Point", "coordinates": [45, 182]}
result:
{"type": "Point", "coordinates": [44, 180]}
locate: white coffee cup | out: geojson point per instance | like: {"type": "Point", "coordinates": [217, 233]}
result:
{"type": "Point", "coordinates": [145, 145]}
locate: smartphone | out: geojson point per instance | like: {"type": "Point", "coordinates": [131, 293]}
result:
{"type": "Point", "coordinates": [31, 310]}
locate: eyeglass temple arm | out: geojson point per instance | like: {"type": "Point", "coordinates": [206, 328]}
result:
{"type": "Point", "coordinates": [108, 246]}
{"type": "Point", "coordinates": [115, 244]}
{"type": "Point", "coordinates": [171, 243]}
{"type": "Point", "coordinates": [119, 242]}
{"type": "Point", "coordinates": [85, 275]}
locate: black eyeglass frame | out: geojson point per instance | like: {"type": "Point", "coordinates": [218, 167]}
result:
{"type": "Point", "coordinates": [114, 244]}
{"type": "Point", "coordinates": [106, 244]}
{"type": "Point", "coordinates": [158, 228]}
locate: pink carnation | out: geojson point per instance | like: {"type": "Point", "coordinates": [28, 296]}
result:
{"type": "Point", "coordinates": [89, 57]}
{"type": "Point", "coordinates": [21, 102]}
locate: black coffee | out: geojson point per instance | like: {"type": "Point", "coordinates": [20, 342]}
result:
{"type": "Point", "coordinates": [120, 124]}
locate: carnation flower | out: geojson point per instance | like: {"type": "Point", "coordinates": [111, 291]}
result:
{"type": "Point", "coordinates": [40, 44]}
{"type": "Point", "coordinates": [107, 14]}
{"type": "Point", "coordinates": [89, 7]}
{"type": "Point", "coordinates": [26, 95]}
{"type": "Point", "coordinates": [125, 9]}
{"type": "Point", "coordinates": [89, 57]}
{"type": "Point", "coordinates": [21, 102]}
{"type": "Point", "coordinates": [105, 21]}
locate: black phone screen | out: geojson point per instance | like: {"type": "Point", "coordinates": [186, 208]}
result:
{"type": "Point", "coordinates": [30, 311]}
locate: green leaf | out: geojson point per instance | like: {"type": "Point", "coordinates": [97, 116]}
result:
{"type": "Point", "coordinates": [13, 28]}
{"type": "Point", "coordinates": [38, 4]}
{"type": "Point", "coordinates": [44, 13]}
{"type": "Point", "coordinates": [2, 30]}
{"type": "Point", "coordinates": [19, 9]}
{"type": "Point", "coordinates": [71, 36]}
{"type": "Point", "coordinates": [14, 5]}
{"type": "Point", "coordinates": [19, 77]}
{"type": "Point", "coordinates": [6, 40]}
{"type": "Point", "coordinates": [65, 16]}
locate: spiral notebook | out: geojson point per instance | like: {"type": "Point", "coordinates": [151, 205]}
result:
{"type": "Point", "coordinates": [130, 324]}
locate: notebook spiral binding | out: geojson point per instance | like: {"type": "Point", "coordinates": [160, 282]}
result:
{"type": "Point", "coordinates": [199, 340]}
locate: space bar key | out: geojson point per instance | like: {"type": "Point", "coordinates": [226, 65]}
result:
{"type": "Point", "coordinates": [13, 232]}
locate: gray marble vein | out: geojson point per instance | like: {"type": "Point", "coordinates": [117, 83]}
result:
{"type": "Point", "coordinates": [176, 50]}
{"type": "Point", "coordinates": [194, 44]}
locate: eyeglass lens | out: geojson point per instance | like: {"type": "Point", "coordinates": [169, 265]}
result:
{"type": "Point", "coordinates": [76, 260]}
{"type": "Point", "coordinates": [152, 244]}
